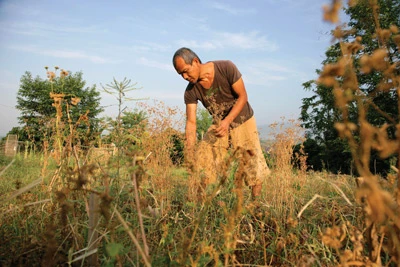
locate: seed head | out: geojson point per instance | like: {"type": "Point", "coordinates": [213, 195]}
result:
{"type": "Point", "coordinates": [63, 73]}
{"type": "Point", "coordinates": [75, 101]}
{"type": "Point", "coordinates": [352, 3]}
{"type": "Point", "coordinates": [394, 29]}
{"type": "Point", "coordinates": [331, 13]}
{"type": "Point", "coordinates": [51, 75]}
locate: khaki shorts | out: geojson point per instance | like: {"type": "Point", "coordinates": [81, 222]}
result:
{"type": "Point", "coordinates": [243, 142]}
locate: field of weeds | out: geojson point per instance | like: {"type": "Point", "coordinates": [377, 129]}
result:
{"type": "Point", "coordinates": [95, 219]}
{"type": "Point", "coordinates": [119, 208]}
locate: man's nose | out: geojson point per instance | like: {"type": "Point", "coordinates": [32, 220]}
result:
{"type": "Point", "coordinates": [184, 76]}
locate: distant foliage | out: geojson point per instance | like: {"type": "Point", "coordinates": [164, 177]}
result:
{"type": "Point", "coordinates": [320, 111]}
{"type": "Point", "coordinates": [203, 121]}
{"type": "Point", "coordinates": [38, 112]}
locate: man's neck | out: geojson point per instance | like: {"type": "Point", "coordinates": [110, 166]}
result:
{"type": "Point", "coordinates": [206, 74]}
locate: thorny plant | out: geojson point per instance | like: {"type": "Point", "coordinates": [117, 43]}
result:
{"type": "Point", "coordinates": [80, 178]}
{"type": "Point", "coordinates": [70, 182]}
{"type": "Point", "coordinates": [65, 129]}
{"type": "Point", "coordinates": [91, 179]}
{"type": "Point", "coordinates": [381, 206]}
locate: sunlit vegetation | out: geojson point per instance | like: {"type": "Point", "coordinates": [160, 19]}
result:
{"type": "Point", "coordinates": [127, 197]}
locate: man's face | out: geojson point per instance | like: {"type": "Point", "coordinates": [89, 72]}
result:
{"type": "Point", "coordinates": [189, 72]}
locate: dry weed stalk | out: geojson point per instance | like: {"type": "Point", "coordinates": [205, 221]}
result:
{"type": "Point", "coordinates": [71, 182]}
{"type": "Point", "coordinates": [233, 169]}
{"type": "Point", "coordinates": [163, 125]}
{"type": "Point", "coordinates": [380, 207]}
{"type": "Point", "coordinates": [287, 134]}
{"type": "Point", "coordinates": [65, 129]}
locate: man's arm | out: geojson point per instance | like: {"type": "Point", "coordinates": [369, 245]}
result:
{"type": "Point", "coordinates": [240, 90]}
{"type": "Point", "coordinates": [190, 126]}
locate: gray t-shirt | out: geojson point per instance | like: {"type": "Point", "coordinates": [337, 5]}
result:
{"type": "Point", "coordinates": [220, 97]}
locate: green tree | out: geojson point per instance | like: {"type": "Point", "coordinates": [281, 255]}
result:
{"type": "Point", "coordinates": [319, 112]}
{"type": "Point", "coordinates": [134, 119]}
{"type": "Point", "coordinates": [203, 121]}
{"type": "Point", "coordinates": [38, 113]}
{"type": "Point", "coordinates": [133, 125]}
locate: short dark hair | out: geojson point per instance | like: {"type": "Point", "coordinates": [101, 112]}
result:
{"type": "Point", "coordinates": [186, 54]}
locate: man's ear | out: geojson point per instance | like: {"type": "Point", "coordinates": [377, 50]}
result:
{"type": "Point", "coordinates": [195, 60]}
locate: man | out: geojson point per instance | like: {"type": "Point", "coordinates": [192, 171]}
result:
{"type": "Point", "coordinates": [219, 86]}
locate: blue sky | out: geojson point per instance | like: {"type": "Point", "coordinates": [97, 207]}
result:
{"type": "Point", "coordinates": [276, 44]}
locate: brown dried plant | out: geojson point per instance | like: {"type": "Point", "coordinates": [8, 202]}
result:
{"type": "Point", "coordinates": [163, 127]}
{"type": "Point", "coordinates": [64, 143]}
{"type": "Point", "coordinates": [381, 206]}
{"type": "Point", "coordinates": [286, 136]}
{"type": "Point", "coordinates": [74, 178]}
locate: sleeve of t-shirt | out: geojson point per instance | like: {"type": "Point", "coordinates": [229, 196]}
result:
{"type": "Point", "coordinates": [232, 72]}
{"type": "Point", "coordinates": [190, 96]}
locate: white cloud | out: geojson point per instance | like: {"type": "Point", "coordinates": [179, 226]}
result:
{"type": "Point", "coordinates": [265, 66]}
{"type": "Point", "coordinates": [270, 73]}
{"type": "Point", "coordinates": [264, 79]}
{"type": "Point", "coordinates": [220, 40]}
{"type": "Point", "coordinates": [202, 45]}
{"type": "Point", "coordinates": [229, 9]}
{"type": "Point", "coordinates": [74, 54]}
{"type": "Point", "coordinates": [294, 3]}
{"type": "Point", "coordinates": [150, 46]}
{"type": "Point", "coordinates": [62, 53]}
{"type": "Point", "coordinates": [44, 29]}
{"type": "Point", "coordinates": [251, 40]}
{"type": "Point", "coordinates": [155, 64]}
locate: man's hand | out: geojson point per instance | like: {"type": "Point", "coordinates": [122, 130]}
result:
{"type": "Point", "coordinates": [222, 129]}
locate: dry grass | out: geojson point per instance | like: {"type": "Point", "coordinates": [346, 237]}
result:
{"type": "Point", "coordinates": [224, 228]}
{"type": "Point", "coordinates": [282, 187]}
